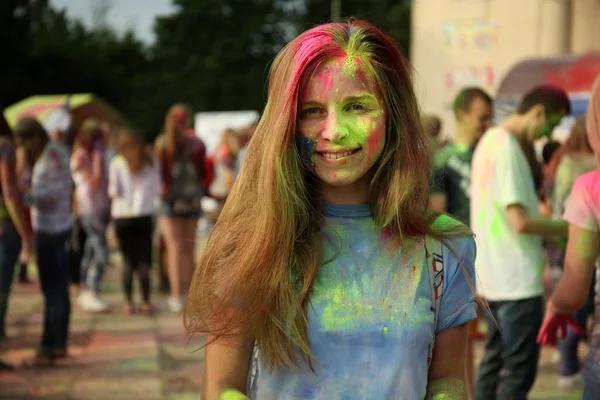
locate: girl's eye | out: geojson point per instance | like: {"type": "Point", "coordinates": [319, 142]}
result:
{"type": "Point", "coordinates": [311, 111]}
{"type": "Point", "coordinates": [356, 107]}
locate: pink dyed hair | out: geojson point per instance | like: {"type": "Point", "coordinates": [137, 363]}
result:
{"type": "Point", "coordinates": [593, 118]}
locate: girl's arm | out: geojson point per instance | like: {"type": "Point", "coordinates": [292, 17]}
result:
{"type": "Point", "coordinates": [447, 370]}
{"type": "Point", "coordinates": [226, 367]}
{"type": "Point", "coordinates": [572, 290]}
{"type": "Point", "coordinates": [97, 175]}
{"type": "Point", "coordinates": [114, 180]}
{"type": "Point", "coordinates": [12, 199]}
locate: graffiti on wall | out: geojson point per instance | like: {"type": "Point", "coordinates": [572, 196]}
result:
{"type": "Point", "coordinates": [470, 34]}
{"type": "Point", "coordinates": [485, 77]}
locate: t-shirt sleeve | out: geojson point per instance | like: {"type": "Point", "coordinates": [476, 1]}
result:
{"type": "Point", "coordinates": [581, 209]}
{"type": "Point", "coordinates": [458, 299]}
{"type": "Point", "coordinates": [436, 181]}
{"type": "Point", "coordinates": [509, 168]}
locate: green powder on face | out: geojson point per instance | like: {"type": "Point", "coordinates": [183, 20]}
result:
{"type": "Point", "coordinates": [385, 331]}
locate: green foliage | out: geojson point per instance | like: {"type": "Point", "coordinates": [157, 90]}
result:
{"type": "Point", "coordinates": [212, 54]}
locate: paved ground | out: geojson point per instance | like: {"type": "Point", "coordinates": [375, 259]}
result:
{"type": "Point", "coordinates": [116, 357]}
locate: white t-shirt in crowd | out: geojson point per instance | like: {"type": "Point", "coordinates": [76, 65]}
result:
{"type": "Point", "coordinates": [509, 265]}
{"type": "Point", "coordinates": [133, 195]}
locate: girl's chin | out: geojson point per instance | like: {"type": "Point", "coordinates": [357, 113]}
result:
{"type": "Point", "coordinates": [338, 180]}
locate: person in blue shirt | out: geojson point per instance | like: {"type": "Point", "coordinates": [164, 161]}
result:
{"type": "Point", "coordinates": [326, 275]}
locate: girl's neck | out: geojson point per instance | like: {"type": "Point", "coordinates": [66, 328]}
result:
{"type": "Point", "coordinates": [354, 193]}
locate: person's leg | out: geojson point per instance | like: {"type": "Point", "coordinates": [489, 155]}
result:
{"type": "Point", "coordinates": [10, 246]}
{"type": "Point", "coordinates": [126, 238]}
{"type": "Point", "coordinates": [591, 390]}
{"type": "Point", "coordinates": [75, 251]}
{"type": "Point", "coordinates": [46, 260]}
{"type": "Point", "coordinates": [173, 234]}
{"type": "Point", "coordinates": [520, 322]}
{"type": "Point", "coordinates": [144, 257]}
{"type": "Point", "coordinates": [190, 226]}
{"type": "Point", "coordinates": [96, 258]}
{"type": "Point", "coordinates": [96, 230]}
{"type": "Point", "coordinates": [60, 292]}
{"type": "Point", "coordinates": [491, 364]}
{"type": "Point", "coordinates": [569, 360]}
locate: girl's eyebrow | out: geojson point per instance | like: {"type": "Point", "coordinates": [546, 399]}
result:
{"type": "Point", "coordinates": [356, 97]}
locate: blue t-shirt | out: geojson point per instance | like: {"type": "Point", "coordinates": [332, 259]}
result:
{"type": "Point", "coordinates": [371, 314]}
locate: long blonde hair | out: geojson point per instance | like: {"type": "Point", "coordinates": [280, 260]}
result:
{"type": "Point", "coordinates": [172, 133]}
{"type": "Point", "coordinates": [266, 245]}
{"type": "Point", "coordinates": [129, 142]}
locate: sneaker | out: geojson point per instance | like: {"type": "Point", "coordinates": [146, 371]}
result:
{"type": "Point", "coordinates": [90, 302]}
{"type": "Point", "coordinates": [571, 381]}
{"type": "Point", "coordinates": [175, 304]}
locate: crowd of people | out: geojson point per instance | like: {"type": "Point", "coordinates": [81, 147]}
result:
{"type": "Point", "coordinates": [352, 253]}
{"type": "Point", "coordinates": [64, 185]}
{"type": "Point", "coordinates": [514, 200]}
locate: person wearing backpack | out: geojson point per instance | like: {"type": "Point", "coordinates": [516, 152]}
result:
{"type": "Point", "coordinates": [323, 277]}
{"type": "Point", "coordinates": [181, 157]}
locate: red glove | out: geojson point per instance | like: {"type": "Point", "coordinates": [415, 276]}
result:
{"type": "Point", "coordinates": [555, 323]}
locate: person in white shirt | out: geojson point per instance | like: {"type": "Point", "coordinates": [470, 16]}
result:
{"type": "Point", "coordinates": [134, 186]}
{"type": "Point", "coordinates": [509, 231]}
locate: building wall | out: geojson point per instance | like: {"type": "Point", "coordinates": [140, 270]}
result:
{"type": "Point", "coordinates": [458, 43]}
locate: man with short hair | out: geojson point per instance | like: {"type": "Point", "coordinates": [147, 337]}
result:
{"type": "Point", "coordinates": [509, 230]}
{"type": "Point", "coordinates": [452, 174]}
{"type": "Point", "coordinates": [451, 186]}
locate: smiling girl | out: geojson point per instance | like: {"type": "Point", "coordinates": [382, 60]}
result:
{"type": "Point", "coordinates": [316, 281]}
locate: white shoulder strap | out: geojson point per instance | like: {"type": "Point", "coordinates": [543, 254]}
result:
{"type": "Point", "coordinates": [435, 263]}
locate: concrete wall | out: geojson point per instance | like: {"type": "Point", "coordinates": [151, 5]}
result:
{"type": "Point", "coordinates": [458, 43]}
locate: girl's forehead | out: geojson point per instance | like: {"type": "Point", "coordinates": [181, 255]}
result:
{"type": "Point", "coordinates": [345, 73]}
{"type": "Point", "coordinates": [347, 65]}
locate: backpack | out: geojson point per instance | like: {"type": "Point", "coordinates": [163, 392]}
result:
{"type": "Point", "coordinates": [435, 262]}
{"type": "Point", "coordinates": [185, 189]}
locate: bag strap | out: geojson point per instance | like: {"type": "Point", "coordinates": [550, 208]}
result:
{"type": "Point", "coordinates": [435, 262]}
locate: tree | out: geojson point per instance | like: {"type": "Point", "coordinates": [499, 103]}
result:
{"type": "Point", "coordinates": [214, 54]}
{"type": "Point", "coordinates": [392, 16]}
{"type": "Point", "coordinates": [18, 21]}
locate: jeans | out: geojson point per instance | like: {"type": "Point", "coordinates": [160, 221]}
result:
{"type": "Point", "coordinates": [95, 252]}
{"type": "Point", "coordinates": [135, 240]}
{"type": "Point", "coordinates": [591, 390]}
{"type": "Point", "coordinates": [10, 246]}
{"type": "Point", "coordinates": [510, 361]}
{"type": "Point", "coordinates": [569, 360]}
{"type": "Point", "coordinates": [53, 270]}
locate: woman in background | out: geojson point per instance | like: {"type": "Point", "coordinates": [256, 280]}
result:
{"type": "Point", "coordinates": [576, 159]}
{"type": "Point", "coordinates": [15, 234]}
{"type": "Point", "coordinates": [581, 259]}
{"type": "Point", "coordinates": [93, 207]}
{"type": "Point", "coordinates": [181, 158]}
{"type": "Point", "coordinates": [134, 186]}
